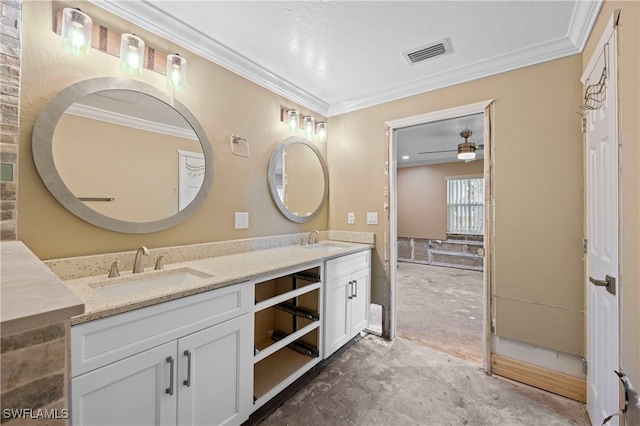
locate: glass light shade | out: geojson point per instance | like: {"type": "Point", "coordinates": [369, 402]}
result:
{"type": "Point", "coordinates": [131, 54]}
{"type": "Point", "coordinates": [321, 131]}
{"type": "Point", "coordinates": [309, 126]}
{"type": "Point", "coordinates": [466, 151]}
{"type": "Point", "coordinates": [176, 72]}
{"type": "Point", "coordinates": [293, 118]}
{"type": "Point", "coordinates": [76, 32]}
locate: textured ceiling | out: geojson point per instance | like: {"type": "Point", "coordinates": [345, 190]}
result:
{"type": "Point", "coordinates": [333, 57]}
{"type": "Point", "coordinates": [337, 56]}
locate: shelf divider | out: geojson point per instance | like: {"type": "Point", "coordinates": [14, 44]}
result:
{"type": "Point", "coordinates": [284, 342]}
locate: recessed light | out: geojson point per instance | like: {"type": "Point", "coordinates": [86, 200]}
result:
{"type": "Point", "coordinates": [405, 157]}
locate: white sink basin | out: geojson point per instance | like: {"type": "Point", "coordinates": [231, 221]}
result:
{"type": "Point", "coordinates": [325, 247]}
{"type": "Point", "coordinates": [147, 281]}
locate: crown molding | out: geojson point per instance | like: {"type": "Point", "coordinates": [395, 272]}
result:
{"type": "Point", "coordinates": [146, 15]}
{"type": "Point", "coordinates": [487, 67]}
{"type": "Point", "coordinates": [584, 18]}
{"type": "Point", "coordinates": [128, 121]}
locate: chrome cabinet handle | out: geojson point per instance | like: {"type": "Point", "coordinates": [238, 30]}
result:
{"type": "Point", "coordinates": [355, 286]}
{"type": "Point", "coordinates": [187, 381]}
{"type": "Point", "coordinates": [350, 289]}
{"type": "Point", "coordinates": [169, 390]}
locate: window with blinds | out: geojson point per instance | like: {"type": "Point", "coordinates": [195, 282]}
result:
{"type": "Point", "coordinates": [465, 205]}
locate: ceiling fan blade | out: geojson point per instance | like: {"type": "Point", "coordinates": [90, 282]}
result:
{"type": "Point", "coordinates": [437, 152]}
{"type": "Point", "coordinates": [478, 148]}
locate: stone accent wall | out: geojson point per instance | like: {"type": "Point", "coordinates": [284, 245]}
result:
{"type": "Point", "coordinates": [34, 376]}
{"type": "Point", "coordinates": [10, 54]}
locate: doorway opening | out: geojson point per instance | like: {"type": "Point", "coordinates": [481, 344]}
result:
{"type": "Point", "coordinates": [440, 213]}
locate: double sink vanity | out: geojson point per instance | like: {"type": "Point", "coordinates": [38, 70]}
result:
{"type": "Point", "coordinates": [214, 331]}
{"type": "Point", "coordinates": [209, 341]}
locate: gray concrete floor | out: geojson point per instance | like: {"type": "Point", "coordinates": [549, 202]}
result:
{"type": "Point", "coordinates": [408, 382]}
{"type": "Point", "coordinates": [441, 308]}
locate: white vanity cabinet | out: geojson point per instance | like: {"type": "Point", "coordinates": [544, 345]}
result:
{"type": "Point", "coordinates": [184, 362]}
{"type": "Point", "coordinates": [347, 295]}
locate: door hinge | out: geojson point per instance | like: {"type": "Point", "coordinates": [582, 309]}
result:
{"type": "Point", "coordinates": [584, 124]}
{"type": "Point", "coordinates": [584, 246]}
{"type": "Point", "coordinates": [584, 366]}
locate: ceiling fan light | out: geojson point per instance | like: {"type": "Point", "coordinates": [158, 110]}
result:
{"type": "Point", "coordinates": [466, 151]}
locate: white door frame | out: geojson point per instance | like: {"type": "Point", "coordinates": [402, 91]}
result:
{"type": "Point", "coordinates": [607, 45]}
{"type": "Point", "coordinates": [478, 107]}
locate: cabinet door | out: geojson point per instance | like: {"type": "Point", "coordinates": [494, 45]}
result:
{"type": "Point", "coordinates": [215, 377]}
{"type": "Point", "coordinates": [336, 314]}
{"type": "Point", "coordinates": [128, 392]}
{"type": "Point", "coordinates": [360, 301]}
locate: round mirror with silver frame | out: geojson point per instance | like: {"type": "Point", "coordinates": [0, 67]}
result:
{"type": "Point", "coordinates": [44, 151]}
{"type": "Point", "coordinates": [298, 179]}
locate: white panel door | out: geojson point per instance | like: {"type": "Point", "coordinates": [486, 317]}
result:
{"type": "Point", "coordinates": [602, 243]}
{"type": "Point", "coordinates": [215, 380]}
{"type": "Point", "coordinates": [139, 390]}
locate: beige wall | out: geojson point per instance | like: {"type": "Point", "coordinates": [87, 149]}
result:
{"type": "Point", "coordinates": [223, 103]}
{"type": "Point", "coordinates": [422, 197]}
{"type": "Point", "coordinates": [538, 288]}
{"type": "Point", "coordinates": [629, 139]}
{"type": "Point", "coordinates": [304, 180]}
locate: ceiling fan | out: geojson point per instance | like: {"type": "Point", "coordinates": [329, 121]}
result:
{"type": "Point", "coordinates": [466, 150]}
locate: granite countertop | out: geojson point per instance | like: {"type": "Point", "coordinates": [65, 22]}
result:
{"type": "Point", "coordinates": [213, 272]}
{"type": "Point", "coordinates": [32, 296]}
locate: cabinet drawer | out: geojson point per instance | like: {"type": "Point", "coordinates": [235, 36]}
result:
{"type": "Point", "coordinates": [347, 264]}
{"type": "Point", "coordinates": [101, 342]}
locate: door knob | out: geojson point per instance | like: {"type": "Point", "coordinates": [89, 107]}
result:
{"type": "Point", "coordinates": [609, 283]}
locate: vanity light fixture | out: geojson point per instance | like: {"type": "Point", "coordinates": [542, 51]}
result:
{"type": "Point", "coordinates": [321, 131]}
{"type": "Point", "coordinates": [176, 72]}
{"type": "Point", "coordinates": [309, 126]}
{"type": "Point", "coordinates": [76, 32]}
{"type": "Point", "coordinates": [293, 118]}
{"type": "Point", "coordinates": [131, 54]}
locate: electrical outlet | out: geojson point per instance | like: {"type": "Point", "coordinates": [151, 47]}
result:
{"type": "Point", "coordinates": [351, 218]}
{"type": "Point", "coordinates": [242, 220]}
{"type": "Point", "coordinates": [372, 218]}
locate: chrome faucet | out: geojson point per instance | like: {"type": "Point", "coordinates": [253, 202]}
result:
{"type": "Point", "coordinates": [314, 240]}
{"type": "Point", "coordinates": [137, 264]}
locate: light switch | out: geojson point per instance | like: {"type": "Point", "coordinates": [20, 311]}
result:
{"type": "Point", "coordinates": [351, 218]}
{"type": "Point", "coordinates": [242, 220]}
{"type": "Point", "coordinates": [372, 218]}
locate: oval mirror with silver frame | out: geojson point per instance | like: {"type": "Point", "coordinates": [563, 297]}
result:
{"type": "Point", "coordinates": [103, 136]}
{"type": "Point", "coordinates": [298, 179]}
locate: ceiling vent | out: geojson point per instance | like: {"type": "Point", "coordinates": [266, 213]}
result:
{"type": "Point", "coordinates": [429, 51]}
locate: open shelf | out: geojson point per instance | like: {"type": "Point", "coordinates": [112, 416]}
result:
{"type": "Point", "coordinates": [291, 283]}
{"type": "Point", "coordinates": [287, 330]}
{"type": "Point", "coordinates": [288, 317]}
{"type": "Point", "coordinates": [278, 369]}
